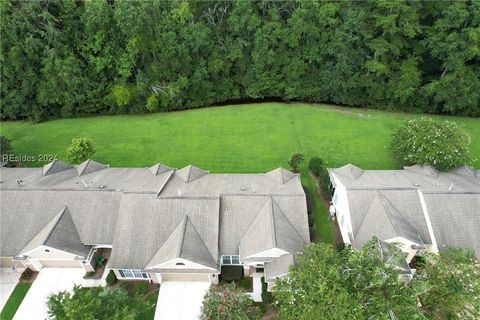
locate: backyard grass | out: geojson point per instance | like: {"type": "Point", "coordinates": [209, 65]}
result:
{"type": "Point", "coordinates": [240, 138]}
{"type": "Point", "coordinates": [14, 301]}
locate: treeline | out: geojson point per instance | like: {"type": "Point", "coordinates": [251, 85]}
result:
{"type": "Point", "coordinates": [79, 58]}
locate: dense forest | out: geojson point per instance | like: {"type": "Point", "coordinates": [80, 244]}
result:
{"type": "Point", "coordinates": [79, 58]}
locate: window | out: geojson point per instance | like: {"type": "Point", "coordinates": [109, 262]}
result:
{"type": "Point", "coordinates": [179, 264]}
{"type": "Point", "coordinates": [133, 274]}
{"type": "Point", "coordinates": [231, 260]}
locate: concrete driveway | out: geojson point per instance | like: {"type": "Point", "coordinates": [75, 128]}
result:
{"type": "Point", "coordinates": [180, 300]}
{"type": "Point", "coordinates": [8, 281]}
{"type": "Point", "coordinates": [49, 280]}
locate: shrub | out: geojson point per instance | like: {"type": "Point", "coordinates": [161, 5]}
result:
{"type": "Point", "coordinates": [5, 147]}
{"type": "Point", "coordinates": [80, 150]}
{"type": "Point", "coordinates": [111, 278]}
{"type": "Point", "coordinates": [246, 283]}
{"type": "Point", "coordinates": [266, 296]}
{"type": "Point", "coordinates": [423, 141]}
{"type": "Point", "coordinates": [141, 288]}
{"type": "Point", "coordinates": [318, 168]}
{"type": "Point", "coordinates": [295, 161]}
{"type": "Point", "coordinates": [26, 274]}
{"type": "Point", "coordinates": [227, 302]}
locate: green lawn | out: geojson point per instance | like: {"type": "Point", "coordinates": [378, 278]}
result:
{"type": "Point", "coordinates": [240, 138]}
{"type": "Point", "coordinates": [14, 301]}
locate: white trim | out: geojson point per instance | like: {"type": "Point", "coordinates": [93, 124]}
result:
{"type": "Point", "coordinates": [427, 220]}
{"type": "Point", "coordinates": [132, 271]}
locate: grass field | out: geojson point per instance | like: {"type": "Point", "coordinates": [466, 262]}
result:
{"type": "Point", "coordinates": [240, 138]}
{"type": "Point", "coordinates": [14, 301]}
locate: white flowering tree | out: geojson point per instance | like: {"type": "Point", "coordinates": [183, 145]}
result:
{"type": "Point", "coordinates": [328, 284]}
{"type": "Point", "coordinates": [423, 141]}
{"type": "Point", "coordinates": [452, 281]}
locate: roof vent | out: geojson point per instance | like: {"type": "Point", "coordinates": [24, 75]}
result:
{"type": "Point", "coordinates": [243, 189]}
{"type": "Point", "coordinates": [450, 188]}
{"type": "Point", "coordinates": [19, 182]}
{"type": "Point", "coordinates": [101, 187]}
{"type": "Point", "coordinates": [416, 185]}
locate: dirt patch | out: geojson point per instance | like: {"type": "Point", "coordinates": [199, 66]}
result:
{"type": "Point", "coordinates": [270, 312]}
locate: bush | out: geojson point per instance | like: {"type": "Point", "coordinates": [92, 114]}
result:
{"type": "Point", "coordinates": [227, 302]}
{"type": "Point", "coordinates": [5, 147]}
{"type": "Point", "coordinates": [295, 161]}
{"type": "Point", "coordinates": [80, 150]}
{"type": "Point", "coordinates": [26, 274]}
{"type": "Point", "coordinates": [246, 283]}
{"type": "Point", "coordinates": [111, 278]}
{"type": "Point", "coordinates": [426, 142]}
{"type": "Point", "coordinates": [141, 288]}
{"type": "Point", "coordinates": [319, 169]}
{"type": "Point", "coordinates": [266, 296]}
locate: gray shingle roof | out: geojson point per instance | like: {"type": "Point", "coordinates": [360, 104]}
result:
{"type": "Point", "coordinates": [60, 233]}
{"type": "Point", "coordinates": [159, 168]}
{"type": "Point", "coordinates": [137, 209]}
{"type": "Point", "coordinates": [280, 175]}
{"type": "Point", "coordinates": [190, 173]}
{"type": "Point", "coordinates": [54, 167]}
{"type": "Point", "coordinates": [145, 223]}
{"type": "Point", "coordinates": [184, 242]}
{"type": "Point", "coordinates": [451, 199]}
{"type": "Point", "coordinates": [278, 267]}
{"type": "Point", "coordinates": [455, 219]}
{"type": "Point", "coordinates": [89, 166]}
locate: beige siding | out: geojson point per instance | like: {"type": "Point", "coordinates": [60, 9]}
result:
{"type": "Point", "coordinates": [185, 277]}
{"type": "Point", "coordinates": [61, 263]}
{"type": "Point", "coordinates": [8, 263]}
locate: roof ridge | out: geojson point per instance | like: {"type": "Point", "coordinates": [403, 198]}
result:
{"type": "Point", "coordinates": [272, 221]}
{"type": "Point", "coordinates": [198, 234]}
{"type": "Point", "coordinates": [180, 243]}
{"type": "Point", "coordinates": [288, 221]}
{"type": "Point", "coordinates": [56, 223]}
{"type": "Point", "coordinates": [383, 200]}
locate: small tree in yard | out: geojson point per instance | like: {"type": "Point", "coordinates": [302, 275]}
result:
{"type": "Point", "coordinates": [96, 303]}
{"type": "Point", "coordinates": [424, 141]}
{"type": "Point", "coordinates": [295, 161]}
{"type": "Point", "coordinates": [228, 302]}
{"type": "Point", "coordinates": [80, 150]}
{"type": "Point", "coordinates": [452, 281]}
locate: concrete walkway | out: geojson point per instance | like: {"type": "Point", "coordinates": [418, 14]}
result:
{"type": "Point", "coordinates": [49, 280]}
{"type": "Point", "coordinates": [8, 281]}
{"type": "Point", "coordinates": [256, 295]}
{"type": "Point", "coordinates": [180, 300]}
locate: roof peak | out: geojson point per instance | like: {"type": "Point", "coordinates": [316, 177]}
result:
{"type": "Point", "coordinates": [280, 175]}
{"type": "Point", "coordinates": [427, 170]}
{"type": "Point", "coordinates": [190, 173]}
{"type": "Point", "coordinates": [159, 168]}
{"type": "Point", "coordinates": [54, 167]}
{"type": "Point", "coordinates": [350, 171]}
{"type": "Point", "coordinates": [89, 166]}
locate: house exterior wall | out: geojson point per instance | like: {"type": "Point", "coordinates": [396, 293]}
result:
{"type": "Point", "coordinates": [340, 202]}
{"type": "Point", "coordinates": [8, 262]}
{"type": "Point", "coordinates": [45, 256]}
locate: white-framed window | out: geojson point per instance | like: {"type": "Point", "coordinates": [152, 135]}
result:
{"type": "Point", "coordinates": [233, 260]}
{"type": "Point", "coordinates": [133, 274]}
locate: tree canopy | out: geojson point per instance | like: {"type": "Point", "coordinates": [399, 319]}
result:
{"type": "Point", "coordinates": [347, 284]}
{"type": "Point", "coordinates": [78, 58]}
{"type": "Point", "coordinates": [96, 303]}
{"type": "Point", "coordinates": [80, 149]}
{"type": "Point", "coordinates": [452, 281]}
{"type": "Point", "coordinates": [423, 141]}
